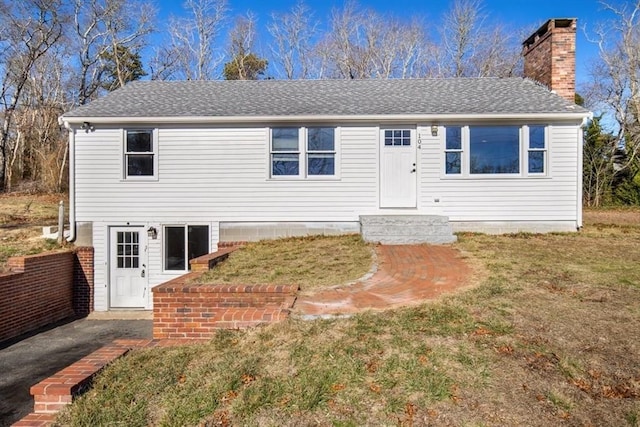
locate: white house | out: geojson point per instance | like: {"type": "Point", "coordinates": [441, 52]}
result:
{"type": "Point", "coordinates": [162, 172]}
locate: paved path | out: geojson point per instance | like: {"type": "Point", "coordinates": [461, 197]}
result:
{"type": "Point", "coordinates": [406, 275]}
{"type": "Point", "coordinates": [28, 361]}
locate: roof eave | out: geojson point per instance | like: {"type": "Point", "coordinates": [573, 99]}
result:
{"type": "Point", "coordinates": [383, 118]}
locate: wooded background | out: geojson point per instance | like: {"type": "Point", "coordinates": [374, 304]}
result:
{"type": "Point", "coordinates": [59, 54]}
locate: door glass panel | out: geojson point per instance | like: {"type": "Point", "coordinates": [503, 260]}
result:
{"type": "Point", "coordinates": [127, 249]}
{"type": "Point", "coordinates": [397, 138]}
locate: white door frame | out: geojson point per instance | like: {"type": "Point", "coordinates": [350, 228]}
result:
{"type": "Point", "coordinates": [398, 168]}
{"type": "Point", "coordinates": [128, 273]}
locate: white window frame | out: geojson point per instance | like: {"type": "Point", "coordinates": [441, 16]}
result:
{"type": "Point", "coordinates": [186, 243]}
{"type": "Point", "coordinates": [154, 153]}
{"type": "Point", "coordinates": [303, 154]}
{"type": "Point", "coordinates": [528, 150]}
{"type": "Point", "coordinates": [523, 153]}
{"type": "Point", "coordinates": [461, 151]}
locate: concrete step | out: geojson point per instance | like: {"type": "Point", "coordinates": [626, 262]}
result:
{"type": "Point", "coordinates": [406, 229]}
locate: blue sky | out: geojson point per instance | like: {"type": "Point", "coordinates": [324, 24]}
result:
{"type": "Point", "coordinates": [512, 13]}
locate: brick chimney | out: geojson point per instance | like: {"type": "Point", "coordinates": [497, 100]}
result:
{"type": "Point", "coordinates": [550, 56]}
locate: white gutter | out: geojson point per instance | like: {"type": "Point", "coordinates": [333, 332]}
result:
{"type": "Point", "coordinates": [72, 183]}
{"type": "Point", "coordinates": [400, 118]}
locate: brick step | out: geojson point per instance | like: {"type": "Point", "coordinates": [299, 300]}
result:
{"type": "Point", "coordinates": [52, 394]}
{"type": "Point", "coordinates": [406, 229]}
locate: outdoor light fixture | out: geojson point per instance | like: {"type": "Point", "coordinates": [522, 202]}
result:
{"type": "Point", "coordinates": [152, 233]}
{"type": "Point", "coordinates": [87, 127]}
{"type": "Point", "coordinates": [434, 130]}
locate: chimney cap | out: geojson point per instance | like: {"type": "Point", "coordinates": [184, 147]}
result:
{"type": "Point", "coordinates": [548, 27]}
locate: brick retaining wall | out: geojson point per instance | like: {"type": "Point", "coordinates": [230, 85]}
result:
{"type": "Point", "coordinates": [182, 309]}
{"type": "Point", "coordinates": [43, 289]}
{"type": "Point", "coordinates": [37, 291]}
{"type": "Point", "coordinates": [197, 311]}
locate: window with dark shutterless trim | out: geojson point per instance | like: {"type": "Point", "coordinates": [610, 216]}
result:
{"type": "Point", "coordinates": [183, 243]}
{"type": "Point", "coordinates": [139, 153]}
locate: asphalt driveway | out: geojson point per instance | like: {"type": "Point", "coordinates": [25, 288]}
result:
{"type": "Point", "coordinates": [28, 361]}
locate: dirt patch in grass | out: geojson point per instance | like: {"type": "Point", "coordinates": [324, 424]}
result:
{"type": "Point", "coordinates": [311, 262]}
{"type": "Point", "coordinates": [550, 336]}
{"type": "Point", "coordinates": [21, 219]}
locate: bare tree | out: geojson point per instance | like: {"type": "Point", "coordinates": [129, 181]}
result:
{"type": "Point", "coordinates": [31, 28]}
{"type": "Point", "coordinates": [362, 43]}
{"type": "Point", "coordinates": [192, 54]}
{"type": "Point", "coordinates": [101, 26]}
{"type": "Point", "coordinates": [471, 48]}
{"type": "Point", "coordinates": [615, 90]}
{"type": "Point", "coordinates": [292, 46]}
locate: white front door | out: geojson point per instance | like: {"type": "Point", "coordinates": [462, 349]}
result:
{"type": "Point", "coordinates": [128, 284]}
{"type": "Point", "coordinates": [398, 169]}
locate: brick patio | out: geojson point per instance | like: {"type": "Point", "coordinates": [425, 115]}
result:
{"type": "Point", "coordinates": [406, 275]}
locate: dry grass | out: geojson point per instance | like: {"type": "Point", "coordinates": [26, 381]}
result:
{"type": "Point", "coordinates": [311, 262]}
{"type": "Point", "coordinates": [21, 218]}
{"type": "Point", "coordinates": [550, 336]}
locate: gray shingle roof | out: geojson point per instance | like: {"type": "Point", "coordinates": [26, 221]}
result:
{"type": "Point", "coordinates": [281, 98]}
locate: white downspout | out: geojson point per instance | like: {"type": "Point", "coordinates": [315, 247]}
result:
{"type": "Point", "coordinates": [72, 183]}
{"type": "Point", "coordinates": [580, 171]}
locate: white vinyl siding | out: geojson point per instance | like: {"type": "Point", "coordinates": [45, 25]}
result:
{"type": "Point", "coordinates": [221, 174]}
{"type": "Point", "coordinates": [520, 198]}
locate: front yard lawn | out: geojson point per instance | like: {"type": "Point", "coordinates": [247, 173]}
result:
{"type": "Point", "coordinates": [310, 262]}
{"type": "Point", "coordinates": [550, 336]}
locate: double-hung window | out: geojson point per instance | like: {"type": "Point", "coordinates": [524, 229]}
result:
{"type": "Point", "coordinates": [453, 150]}
{"type": "Point", "coordinates": [305, 152]}
{"type": "Point", "coordinates": [537, 149]}
{"type": "Point", "coordinates": [140, 154]}
{"type": "Point", "coordinates": [495, 150]}
{"type": "Point", "coordinates": [182, 243]}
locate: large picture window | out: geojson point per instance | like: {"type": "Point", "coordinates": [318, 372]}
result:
{"type": "Point", "coordinates": [303, 152]}
{"type": "Point", "coordinates": [140, 152]}
{"type": "Point", "coordinates": [498, 150]}
{"type": "Point", "coordinates": [182, 243]}
{"type": "Point", "coordinates": [494, 149]}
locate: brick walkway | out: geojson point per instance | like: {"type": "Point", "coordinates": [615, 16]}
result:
{"type": "Point", "coordinates": [406, 275]}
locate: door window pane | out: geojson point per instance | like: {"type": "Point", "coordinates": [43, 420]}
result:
{"type": "Point", "coordinates": [127, 249]}
{"type": "Point", "coordinates": [398, 137]}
